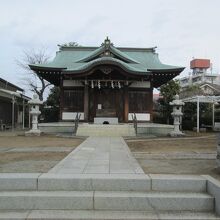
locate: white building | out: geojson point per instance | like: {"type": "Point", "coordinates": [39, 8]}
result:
{"type": "Point", "coordinates": [201, 74]}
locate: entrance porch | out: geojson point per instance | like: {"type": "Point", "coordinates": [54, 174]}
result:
{"type": "Point", "coordinates": [114, 100]}
{"type": "Point", "coordinates": [107, 105]}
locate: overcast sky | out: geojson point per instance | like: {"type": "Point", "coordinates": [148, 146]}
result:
{"type": "Point", "coordinates": [181, 29]}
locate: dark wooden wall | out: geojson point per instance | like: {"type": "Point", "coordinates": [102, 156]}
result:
{"type": "Point", "coordinates": [6, 111]}
{"type": "Point", "coordinates": [140, 101]}
{"type": "Point", "coordinates": [73, 100]}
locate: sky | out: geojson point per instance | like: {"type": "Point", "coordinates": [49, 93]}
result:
{"type": "Point", "coordinates": [181, 29]}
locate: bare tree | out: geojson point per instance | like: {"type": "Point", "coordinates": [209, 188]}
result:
{"type": "Point", "coordinates": [36, 83]}
{"type": "Point", "coordinates": [70, 44]}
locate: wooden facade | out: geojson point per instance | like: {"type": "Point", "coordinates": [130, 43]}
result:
{"type": "Point", "coordinates": [106, 82]}
{"type": "Point", "coordinates": [113, 94]}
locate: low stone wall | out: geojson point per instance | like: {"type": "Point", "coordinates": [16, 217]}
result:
{"type": "Point", "coordinates": [154, 129]}
{"type": "Point", "coordinates": [57, 127]}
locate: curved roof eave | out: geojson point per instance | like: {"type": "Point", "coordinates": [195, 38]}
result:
{"type": "Point", "coordinates": [168, 69]}
{"type": "Point", "coordinates": [41, 67]}
{"type": "Point", "coordinates": [107, 61]}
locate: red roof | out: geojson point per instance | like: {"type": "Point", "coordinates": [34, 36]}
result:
{"type": "Point", "coordinates": [200, 63]}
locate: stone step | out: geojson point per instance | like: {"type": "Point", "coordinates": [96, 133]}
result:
{"type": "Point", "coordinates": [67, 200]}
{"type": "Point", "coordinates": [98, 182]}
{"type": "Point", "coordinates": [105, 200]}
{"type": "Point", "coordinates": [150, 201]}
{"type": "Point", "coordinates": [178, 183]}
{"type": "Point", "coordinates": [107, 215]}
{"type": "Point", "coordinates": [102, 182]}
{"type": "Point", "coordinates": [105, 130]}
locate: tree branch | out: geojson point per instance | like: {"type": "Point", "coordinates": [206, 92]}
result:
{"type": "Point", "coordinates": [34, 57]}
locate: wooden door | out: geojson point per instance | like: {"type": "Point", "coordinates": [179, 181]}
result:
{"type": "Point", "coordinates": [110, 101]}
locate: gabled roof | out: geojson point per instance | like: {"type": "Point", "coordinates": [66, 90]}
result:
{"type": "Point", "coordinates": [4, 84]}
{"type": "Point", "coordinates": [10, 94]}
{"type": "Point", "coordinates": [137, 61]}
{"type": "Point", "coordinates": [214, 87]}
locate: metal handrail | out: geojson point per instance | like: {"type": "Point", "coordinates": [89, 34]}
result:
{"type": "Point", "coordinates": [76, 121]}
{"type": "Point", "coordinates": [134, 118]}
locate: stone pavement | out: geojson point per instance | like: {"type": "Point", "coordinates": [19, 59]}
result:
{"type": "Point", "coordinates": [99, 155]}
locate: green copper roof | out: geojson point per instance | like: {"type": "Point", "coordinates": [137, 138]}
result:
{"type": "Point", "coordinates": [136, 61]}
{"type": "Point", "coordinates": [78, 59]}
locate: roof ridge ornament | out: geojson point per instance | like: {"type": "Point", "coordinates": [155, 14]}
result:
{"type": "Point", "coordinates": [107, 44]}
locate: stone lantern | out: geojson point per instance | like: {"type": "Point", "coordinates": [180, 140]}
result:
{"type": "Point", "coordinates": [34, 112]}
{"type": "Point", "coordinates": [177, 116]}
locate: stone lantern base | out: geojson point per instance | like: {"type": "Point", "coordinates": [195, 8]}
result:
{"type": "Point", "coordinates": [33, 132]}
{"type": "Point", "coordinates": [177, 134]}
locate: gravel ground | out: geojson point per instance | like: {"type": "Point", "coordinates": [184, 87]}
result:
{"type": "Point", "coordinates": [190, 155]}
{"type": "Point", "coordinates": [33, 154]}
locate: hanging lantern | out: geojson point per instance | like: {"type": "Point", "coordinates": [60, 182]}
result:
{"type": "Point", "coordinates": [112, 84]}
{"type": "Point", "coordinates": [119, 85]}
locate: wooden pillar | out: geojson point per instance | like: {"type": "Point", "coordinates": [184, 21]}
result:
{"type": "Point", "coordinates": [61, 97]}
{"type": "Point", "coordinates": [13, 114]}
{"type": "Point", "coordinates": [86, 102]}
{"type": "Point", "coordinates": [213, 116]}
{"type": "Point", "coordinates": [126, 104]}
{"type": "Point", "coordinates": [23, 112]}
{"type": "Point", "coordinates": [151, 104]}
{"type": "Point", "coordinates": [198, 115]}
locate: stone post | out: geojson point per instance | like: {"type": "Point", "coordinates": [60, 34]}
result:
{"type": "Point", "coordinates": [34, 112]}
{"type": "Point", "coordinates": [177, 116]}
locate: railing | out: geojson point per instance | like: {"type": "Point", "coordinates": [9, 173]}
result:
{"type": "Point", "coordinates": [134, 118]}
{"type": "Point", "coordinates": [76, 122]}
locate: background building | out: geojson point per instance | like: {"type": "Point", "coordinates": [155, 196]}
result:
{"type": "Point", "coordinates": [202, 76]}
{"type": "Point", "coordinates": [13, 105]}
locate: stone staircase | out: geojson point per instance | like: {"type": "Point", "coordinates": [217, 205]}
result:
{"type": "Point", "coordinates": [107, 130]}
{"type": "Point", "coordinates": [104, 196]}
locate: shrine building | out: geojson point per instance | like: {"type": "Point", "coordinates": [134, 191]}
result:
{"type": "Point", "coordinates": [106, 84]}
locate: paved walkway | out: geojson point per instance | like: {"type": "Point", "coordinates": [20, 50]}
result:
{"type": "Point", "coordinates": [107, 155]}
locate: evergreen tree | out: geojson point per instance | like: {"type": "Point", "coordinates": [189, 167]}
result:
{"type": "Point", "coordinates": [51, 109]}
{"type": "Point", "coordinates": [167, 92]}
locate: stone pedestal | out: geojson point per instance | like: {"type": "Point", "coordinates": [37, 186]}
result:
{"type": "Point", "coordinates": [177, 116]}
{"type": "Point", "coordinates": [34, 112]}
